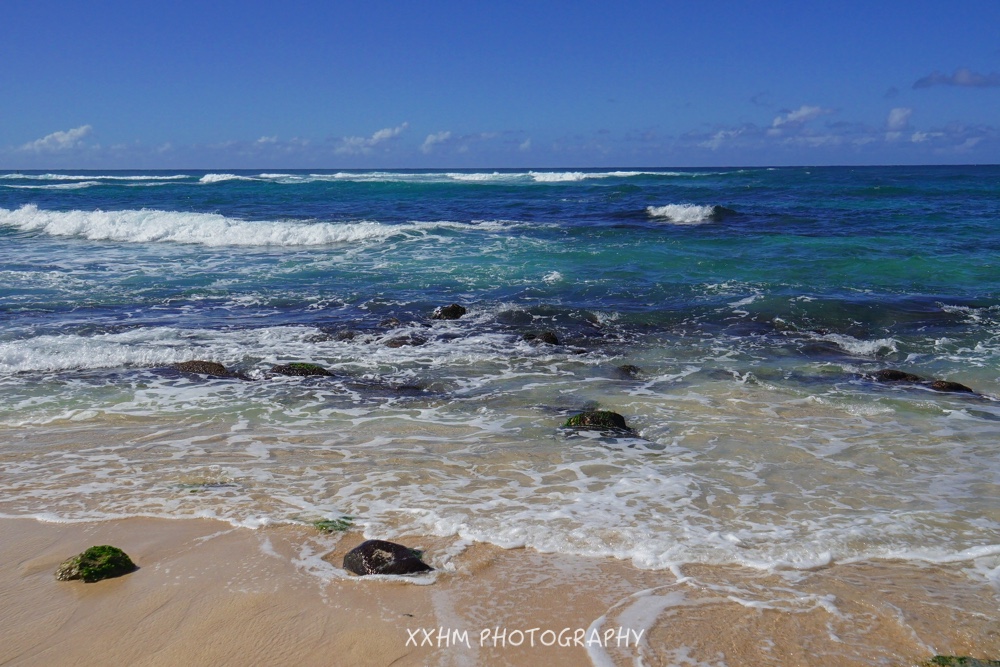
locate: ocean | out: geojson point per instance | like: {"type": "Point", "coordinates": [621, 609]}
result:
{"type": "Point", "coordinates": [736, 318]}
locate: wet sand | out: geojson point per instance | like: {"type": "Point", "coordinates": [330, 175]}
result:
{"type": "Point", "coordinates": [210, 594]}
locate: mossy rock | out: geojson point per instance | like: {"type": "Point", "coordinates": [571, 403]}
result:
{"type": "Point", "coordinates": [210, 368]}
{"type": "Point", "coordinates": [340, 525]}
{"type": "Point", "coordinates": [96, 563]}
{"type": "Point", "coordinates": [597, 420]}
{"type": "Point", "coordinates": [300, 369]}
{"type": "Point", "coordinates": [452, 312]}
{"type": "Point", "coordinates": [956, 661]}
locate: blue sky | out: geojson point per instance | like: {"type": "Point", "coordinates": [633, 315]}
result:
{"type": "Point", "coordinates": [510, 84]}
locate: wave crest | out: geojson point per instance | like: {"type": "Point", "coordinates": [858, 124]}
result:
{"type": "Point", "coordinates": [219, 178]}
{"type": "Point", "coordinates": [210, 229]}
{"type": "Point", "coordinates": [687, 214]}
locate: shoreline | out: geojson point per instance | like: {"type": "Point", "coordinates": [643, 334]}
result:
{"type": "Point", "coordinates": [208, 593]}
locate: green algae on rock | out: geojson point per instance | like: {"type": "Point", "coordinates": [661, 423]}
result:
{"type": "Point", "coordinates": [300, 369]}
{"type": "Point", "coordinates": [209, 368]}
{"type": "Point", "coordinates": [96, 563]}
{"type": "Point", "coordinates": [597, 420]}
{"type": "Point", "coordinates": [339, 525]}
{"type": "Point", "coordinates": [959, 661]}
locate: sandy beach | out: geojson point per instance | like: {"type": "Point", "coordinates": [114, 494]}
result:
{"type": "Point", "coordinates": [206, 593]}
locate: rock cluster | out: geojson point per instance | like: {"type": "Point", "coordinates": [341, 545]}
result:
{"type": "Point", "coordinates": [891, 375]}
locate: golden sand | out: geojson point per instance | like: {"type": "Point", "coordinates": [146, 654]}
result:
{"type": "Point", "coordinates": [210, 594]}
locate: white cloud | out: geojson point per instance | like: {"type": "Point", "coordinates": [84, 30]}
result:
{"type": "Point", "coordinates": [364, 145]}
{"type": "Point", "coordinates": [963, 77]}
{"type": "Point", "coordinates": [920, 137]}
{"type": "Point", "coordinates": [968, 144]}
{"type": "Point", "coordinates": [59, 141]}
{"type": "Point", "coordinates": [720, 138]}
{"type": "Point", "coordinates": [434, 139]}
{"type": "Point", "coordinates": [525, 145]}
{"type": "Point", "coordinates": [801, 115]}
{"type": "Point", "coordinates": [898, 118]}
{"type": "Point", "coordinates": [897, 121]}
{"type": "Point", "coordinates": [268, 140]}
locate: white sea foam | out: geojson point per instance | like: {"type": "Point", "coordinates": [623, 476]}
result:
{"type": "Point", "coordinates": [552, 277]}
{"type": "Point", "coordinates": [862, 348]}
{"type": "Point", "coordinates": [147, 226]}
{"type": "Point", "coordinates": [573, 176]}
{"type": "Point", "coordinates": [141, 347]}
{"type": "Point", "coordinates": [78, 185]}
{"type": "Point", "coordinates": [90, 177]}
{"type": "Point", "coordinates": [496, 177]}
{"type": "Point", "coordinates": [220, 178]}
{"type": "Point", "coordinates": [683, 214]}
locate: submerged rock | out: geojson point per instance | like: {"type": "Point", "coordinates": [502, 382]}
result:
{"type": "Point", "coordinates": [892, 375]}
{"type": "Point", "coordinates": [452, 312]}
{"type": "Point", "coordinates": [406, 340]}
{"type": "Point", "coordinates": [96, 563]}
{"type": "Point", "coordinates": [597, 420]}
{"type": "Point", "coordinates": [382, 557]}
{"type": "Point", "coordinates": [300, 370]}
{"type": "Point", "coordinates": [547, 337]}
{"type": "Point", "coordinates": [514, 317]}
{"type": "Point", "coordinates": [944, 385]}
{"type": "Point", "coordinates": [959, 661]}
{"type": "Point", "coordinates": [628, 371]}
{"type": "Point", "coordinates": [210, 368]}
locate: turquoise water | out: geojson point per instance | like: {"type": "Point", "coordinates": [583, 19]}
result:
{"type": "Point", "coordinates": [757, 304]}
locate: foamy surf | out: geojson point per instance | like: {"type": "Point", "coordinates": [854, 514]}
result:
{"type": "Point", "coordinates": [686, 214]}
{"type": "Point", "coordinates": [210, 229]}
{"type": "Point", "coordinates": [93, 177]}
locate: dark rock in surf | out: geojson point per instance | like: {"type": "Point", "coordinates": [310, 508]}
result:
{"type": "Point", "coordinates": [514, 317]}
{"type": "Point", "coordinates": [209, 368]}
{"type": "Point", "coordinates": [390, 323]}
{"type": "Point", "coordinates": [628, 371]}
{"type": "Point", "coordinates": [597, 420]}
{"type": "Point", "coordinates": [406, 340]}
{"type": "Point", "coordinates": [382, 557]}
{"type": "Point", "coordinates": [959, 661]}
{"type": "Point", "coordinates": [953, 387]}
{"type": "Point", "coordinates": [892, 375]}
{"type": "Point", "coordinates": [300, 370]}
{"type": "Point", "coordinates": [547, 337]}
{"type": "Point", "coordinates": [96, 563]}
{"type": "Point", "coordinates": [452, 312]}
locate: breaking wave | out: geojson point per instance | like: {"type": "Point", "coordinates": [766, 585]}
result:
{"type": "Point", "coordinates": [688, 214]}
{"type": "Point", "coordinates": [91, 177]}
{"type": "Point", "coordinates": [495, 177]}
{"type": "Point", "coordinates": [211, 229]}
